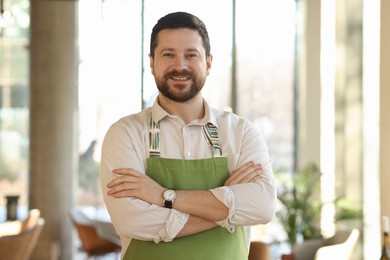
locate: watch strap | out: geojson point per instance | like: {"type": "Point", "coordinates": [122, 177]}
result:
{"type": "Point", "coordinates": [168, 204]}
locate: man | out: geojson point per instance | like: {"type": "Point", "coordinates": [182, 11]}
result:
{"type": "Point", "coordinates": [182, 180]}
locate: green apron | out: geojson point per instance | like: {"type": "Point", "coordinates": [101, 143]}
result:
{"type": "Point", "coordinates": [203, 174]}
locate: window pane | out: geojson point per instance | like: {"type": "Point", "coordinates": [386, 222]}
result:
{"type": "Point", "coordinates": [265, 76]}
{"type": "Point", "coordinates": [14, 96]}
{"type": "Point", "coordinates": [109, 80]}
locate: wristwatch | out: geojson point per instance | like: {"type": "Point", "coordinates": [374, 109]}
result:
{"type": "Point", "coordinates": [169, 196]}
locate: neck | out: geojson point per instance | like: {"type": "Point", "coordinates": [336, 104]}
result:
{"type": "Point", "coordinates": [187, 111]}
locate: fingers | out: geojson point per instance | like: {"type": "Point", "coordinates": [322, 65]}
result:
{"type": "Point", "coordinates": [125, 189]}
{"type": "Point", "coordinates": [124, 175]}
{"type": "Point", "coordinates": [246, 176]}
{"type": "Point", "coordinates": [126, 171]}
{"type": "Point", "coordinates": [131, 183]}
{"type": "Point", "coordinates": [125, 184]}
{"type": "Point", "coordinates": [249, 172]}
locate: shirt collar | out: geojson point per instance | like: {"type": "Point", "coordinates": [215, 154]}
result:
{"type": "Point", "coordinates": [159, 113]}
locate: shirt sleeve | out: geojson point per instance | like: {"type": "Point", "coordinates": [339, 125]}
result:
{"type": "Point", "coordinates": [134, 218]}
{"type": "Point", "coordinates": [250, 203]}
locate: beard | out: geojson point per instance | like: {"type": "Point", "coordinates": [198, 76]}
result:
{"type": "Point", "coordinates": [165, 89]}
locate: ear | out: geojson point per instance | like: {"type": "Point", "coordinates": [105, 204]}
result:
{"type": "Point", "coordinates": [209, 60]}
{"type": "Point", "coordinates": [151, 63]}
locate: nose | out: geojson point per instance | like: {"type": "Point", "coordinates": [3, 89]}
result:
{"type": "Point", "coordinates": [180, 63]}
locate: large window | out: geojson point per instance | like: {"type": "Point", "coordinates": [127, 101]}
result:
{"type": "Point", "coordinates": [14, 60]}
{"type": "Point", "coordinates": [265, 73]}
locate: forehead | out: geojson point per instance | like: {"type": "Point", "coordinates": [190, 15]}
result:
{"type": "Point", "coordinates": [179, 39]}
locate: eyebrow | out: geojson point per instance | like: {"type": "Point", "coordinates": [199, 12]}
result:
{"type": "Point", "coordinates": [187, 50]}
{"type": "Point", "coordinates": [167, 49]}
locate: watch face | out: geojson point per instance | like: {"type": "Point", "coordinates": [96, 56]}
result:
{"type": "Point", "coordinates": [169, 195]}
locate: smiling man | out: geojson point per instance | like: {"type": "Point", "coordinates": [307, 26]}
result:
{"type": "Point", "coordinates": [182, 180]}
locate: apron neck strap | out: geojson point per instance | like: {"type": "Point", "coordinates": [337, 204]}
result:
{"type": "Point", "coordinates": [210, 131]}
{"type": "Point", "coordinates": [211, 134]}
{"type": "Point", "coordinates": [154, 138]}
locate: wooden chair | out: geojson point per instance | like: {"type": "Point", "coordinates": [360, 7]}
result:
{"type": "Point", "coordinates": [31, 220]}
{"type": "Point", "coordinates": [259, 251]}
{"type": "Point", "coordinates": [20, 246]}
{"type": "Point", "coordinates": [91, 243]}
{"type": "Point", "coordinates": [18, 226]}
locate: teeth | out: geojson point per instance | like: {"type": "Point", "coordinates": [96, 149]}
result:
{"type": "Point", "coordinates": [180, 78]}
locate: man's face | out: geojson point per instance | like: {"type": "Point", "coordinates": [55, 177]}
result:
{"type": "Point", "coordinates": [180, 65]}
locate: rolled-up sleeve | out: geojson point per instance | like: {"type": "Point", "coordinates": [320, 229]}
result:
{"type": "Point", "coordinates": [250, 203]}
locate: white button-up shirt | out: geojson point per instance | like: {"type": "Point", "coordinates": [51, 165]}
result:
{"type": "Point", "coordinates": [126, 145]}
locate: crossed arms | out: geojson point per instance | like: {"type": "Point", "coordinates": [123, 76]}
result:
{"type": "Point", "coordinates": [135, 203]}
{"type": "Point", "coordinates": [202, 206]}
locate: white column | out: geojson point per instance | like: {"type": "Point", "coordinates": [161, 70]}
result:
{"type": "Point", "coordinates": [371, 138]}
{"type": "Point", "coordinates": [310, 87]}
{"type": "Point", "coordinates": [53, 122]}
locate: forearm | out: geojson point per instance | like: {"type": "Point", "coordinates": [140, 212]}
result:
{"type": "Point", "coordinates": [195, 225]}
{"type": "Point", "coordinates": [200, 203]}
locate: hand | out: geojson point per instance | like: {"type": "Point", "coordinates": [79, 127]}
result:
{"type": "Point", "coordinates": [132, 183]}
{"type": "Point", "coordinates": [249, 172]}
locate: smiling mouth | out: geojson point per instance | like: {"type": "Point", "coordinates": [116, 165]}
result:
{"type": "Point", "coordinates": [181, 78]}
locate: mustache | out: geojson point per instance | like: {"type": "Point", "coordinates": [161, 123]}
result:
{"type": "Point", "coordinates": [176, 73]}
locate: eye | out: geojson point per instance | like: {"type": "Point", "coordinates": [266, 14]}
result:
{"type": "Point", "coordinates": [168, 55]}
{"type": "Point", "coordinates": [192, 55]}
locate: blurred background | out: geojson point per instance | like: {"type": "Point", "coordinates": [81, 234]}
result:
{"type": "Point", "coordinates": [310, 74]}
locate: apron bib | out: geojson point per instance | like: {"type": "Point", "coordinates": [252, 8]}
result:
{"type": "Point", "coordinates": [203, 174]}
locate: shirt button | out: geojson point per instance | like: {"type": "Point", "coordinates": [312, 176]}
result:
{"type": "Point", "coordinates": [188, 153]}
